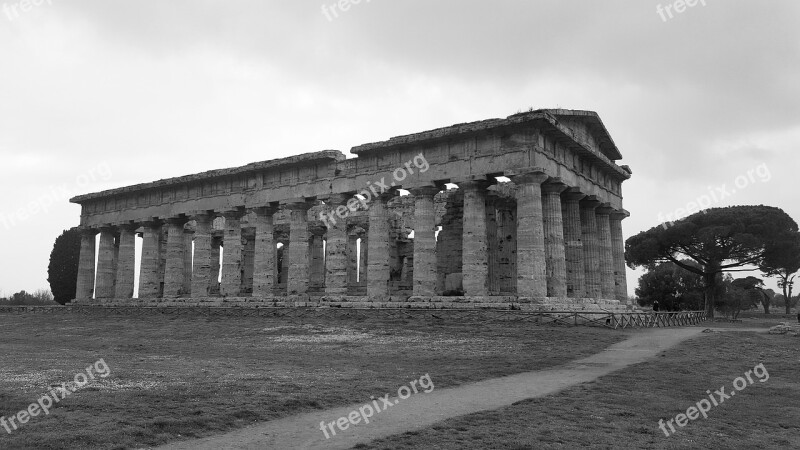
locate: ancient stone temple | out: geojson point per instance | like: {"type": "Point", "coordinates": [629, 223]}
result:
{"type": "Point", "coordinates": [523, 212]}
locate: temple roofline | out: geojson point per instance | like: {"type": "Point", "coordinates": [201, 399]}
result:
{"type": "Point", "coordinates": [326, 155]}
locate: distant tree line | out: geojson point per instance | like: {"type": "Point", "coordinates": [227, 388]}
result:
{"type": "Point", "coordinates": [23, 298]}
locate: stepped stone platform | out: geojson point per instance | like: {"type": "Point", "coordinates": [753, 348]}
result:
{"type": "Point", "coordinates": [437, 302]}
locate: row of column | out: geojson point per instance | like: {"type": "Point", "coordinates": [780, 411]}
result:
{"type": "Point", "coordinates": [568, 245]}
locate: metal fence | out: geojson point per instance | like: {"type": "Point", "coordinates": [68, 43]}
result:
{"type": "Point", "coordinates": [608, 319]}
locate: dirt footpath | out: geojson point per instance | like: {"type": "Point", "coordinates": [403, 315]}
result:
{"type": "Point", "coordinates": [423, 410]}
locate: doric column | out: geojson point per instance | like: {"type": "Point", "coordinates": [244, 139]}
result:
{"type": "Point", "coordinates": [188, 239]}
{"type": "Point", "coordinates": [149, 276]}
{"type": "Point", "coordinates": [176, 248]}
{"type": "Point", "coordinates": [425, 277]}
{"type": "Point", "coordinates": [573, 245]}
{"type": "Point", "coordinates": [336, 244]}
{"type": "Point", "coordinates": [85, 284]}
{"type": "Point", "coordinates": [264, 257]}
{"type": "Point", "coordinates": [531, 261]}
{"type": "Point", "coordinates": [591, 247]}
{"type": "Point", "coordinates": [378, 269]}
{"type": "Point", "coordinates": [316, 258]}
{"type": "Point", "coordinates": [201, 270]}
{"type": "Point", "coordinates": [297, 281]}
{"type": "Point", "coordinates": [363, 260]}
{"type": "Point", "coordinates": [555, 255]}
{"type": "Point", "coordinates": [351, 253]}
{"type": "Point", "coordinates": [126, 262]}
{"type": "Point", "coordinates": [606, 255]}
{"type": "Point", "coordinates": [475, 248]}
{"type": "Point", "coordinates": [232, 254]}
{"type": "Point", "coordinates": [106, 269]}
{"type": "Point", "coordinates": [216, 270]}
{"type": "Point", "coordinates": [618, 252]}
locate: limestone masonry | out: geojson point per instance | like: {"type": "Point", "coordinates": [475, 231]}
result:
{"type": "Point", "coordinates": [321, 230]}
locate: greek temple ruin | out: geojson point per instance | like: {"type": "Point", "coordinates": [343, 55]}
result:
{"type": "Point", "coordinates": [522, 213]}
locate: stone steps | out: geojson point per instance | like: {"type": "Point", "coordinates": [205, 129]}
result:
{"type": "Point", "coordinates": [499, 303]}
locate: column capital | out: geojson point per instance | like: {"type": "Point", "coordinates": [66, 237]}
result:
{"type": "Point", "coordinates": [474, 185]}
{"type": "Point", "coordinates": [200, 214]}
{"type": "Point", "coordinates": [532, 175]}
{"type": "Point", "coordinates": [620, 214]}
{"type": "Point", "coordinates": [604, 209]}
{"type": "Point", "coordinates": [554, 185]}
{"type": "Point", "coordinates": [573, 194]}
{"type": "Point", "coordinates": [180, 219]}
{"type": "Point", "coordinates": [127, 226]}
{"type": "Point", "coordinates": [387, 195]}
{"type": "Point", "coordinates": [337, 199]}
{"type": "Point", "coordinates": [107, 227]}
{"type": "Point", "coordinates": [590, 202]}
{"type": "Point", "coordinates": [151, 222]}
{"type": "Point", "coordinates": [230, 213]}
{"type": "Point", "coordinates": [88, 231]}
{"type": "Point", "coordinates": [424, 191]}
{"type": "Point", "coordinates": [297, 204]}
{"type": "Point", "coordinates": [262, 211]}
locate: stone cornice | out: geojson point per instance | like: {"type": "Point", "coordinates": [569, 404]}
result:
{"type": "Point", "coordinates": [327, 155]}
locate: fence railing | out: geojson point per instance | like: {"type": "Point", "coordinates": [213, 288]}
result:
{"type": "Point", "coordinates": [608, 319]}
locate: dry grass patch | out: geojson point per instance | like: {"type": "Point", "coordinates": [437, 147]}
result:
{"type": "Point", "coordinates": [175, 378]}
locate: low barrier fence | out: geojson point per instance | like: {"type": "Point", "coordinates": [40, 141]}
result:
{"type": "Point", "coordinates": [608, 319]}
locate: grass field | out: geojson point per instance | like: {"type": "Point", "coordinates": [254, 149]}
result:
{"type": "Point", "coordinates": [175, 378]}
{"type": "Point", "coordinates": [622, 410]}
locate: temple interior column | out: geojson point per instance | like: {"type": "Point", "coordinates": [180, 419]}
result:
{"type": "Point", "coordinates": [591, 247]}
{"type": "Point", "coordinates": [378, 260]}
{"type": "Point", "coordinates": [264, 258]}
{"type": "Point", "coordinates": [475, 248]}
{"type": "Point", "coordinates": [606, 255]}
{"type": "Point", "coordinates": [232, 255]}
{"type": "Point", "coordinates": [214, 276]}
{"type": "Point", "coordinates": [555, 254]}
{"type": "Point", "coordinates": [188, 254]}
{"type": "Point", "coordinates": [85, 283]}
{"type": "Point", "coordinates": [450, 245]}
{"type": "Point", "coordinates": [352, 259]}
{"type": "Point", "coordinates": [618, 252]}
{"type": "Point", "coordinates": [573, 245]}
{"type": "Point", "coordinates": [531, 262]}
{"type": "Point", "coordinates": [248, 261]}
{"type": "Point", "coordinates": [425, 276]}
{"type": "Point", "coordinates": [176, 248]}
{"type": "Point", "coordinates": [201, 270]}
{"type": "Point", "coordinates": [363, 256]}
{"type": "Point", "coordinates": [316, 265]}
{"type": "Point", "coordinates": [149, 277]}
{"type": "Point", "coordinates": [126, 262]}
{"type": "Point", "coordinates": [283, 274]}
{"type": "Point", "coordinates": [105, 264]}
{"type": "Point", "coordinates": [336, 249]}
{"type": "Point", "coordinates": [298, 255]}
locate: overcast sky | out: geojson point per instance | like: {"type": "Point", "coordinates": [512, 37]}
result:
{"type": "Point", "coordinates": [107, 93]}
